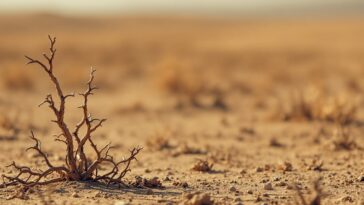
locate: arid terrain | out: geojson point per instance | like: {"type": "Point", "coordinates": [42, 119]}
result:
{"type": "Point", "coordinates": [244, 111]}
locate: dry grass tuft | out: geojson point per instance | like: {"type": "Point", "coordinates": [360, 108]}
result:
{"type": "Point", "coordinates": [202, 166]}
{"type": "Point", "coordinates": [343, 140]}
{"type": "Point", "coordinates": [314, 105]}
{"type": "Point", "coordinates": [158, 143]}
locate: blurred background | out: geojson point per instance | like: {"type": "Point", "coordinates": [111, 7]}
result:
{"type": "Point", "coordinates": [167, 54]}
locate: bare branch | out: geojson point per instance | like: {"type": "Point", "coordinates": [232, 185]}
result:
{"type": "Point", "coordinates": [77, 165]}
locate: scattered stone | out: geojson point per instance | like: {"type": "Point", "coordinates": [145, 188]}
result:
{"type": "Point", "coordinates": [259, 169]}
{"type": "Point", "coordinates": [258, 199]}
{"type": "Point", "coordinates": [281, 184]}
{"type": "Point", "coordinates": [149, 191]}
{"type": "Point", "coordinates": [150, 183]}
{"type": "Point", "coordinates": [275, 143]}
{"type": "Point", "coordinates": [286, 166]}
{"type": "Point", "coordinates": [243, 172]}
{"type": "Point", "coordinates": [346, 199]}
{"type": "Point", "coordinates": [361, 178]}
{"type": "Point", "coordinates": [196, 199]}
{"type": "Point", "coordinates": [98, 194]}
{"type": "Point", "coordinates": [268, 186]}
{"type": "Point", "coordinates": [181, 184]}
{"type": "Point", "coordinates": [247, 130]}
{"type": "Point", "coordinates": [237, 199]}
{"type": "Point", "coordinates": [75, 195]}
{"type": "Point", "coordinates": [232, 189]}
{"type": "Point", "coordinates": [203, 166]}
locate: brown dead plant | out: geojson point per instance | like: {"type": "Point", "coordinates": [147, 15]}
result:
{"type": "Point", "coordinates": [77, 166]}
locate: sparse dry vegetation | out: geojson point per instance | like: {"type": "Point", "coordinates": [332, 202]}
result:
{"type": "Point", "coordinates": [313, 105]}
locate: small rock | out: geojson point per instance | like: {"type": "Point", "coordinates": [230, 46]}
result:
{"type": "Point", "coordinates": [268, 186]}
{"type": "Point", "coordinates": [98, 194]}
{"type": "Point", "coordinates": [150, 191]}
{"type": "Point", "coordinates": [75, 195]}
{"type": "Point", "coordinates": [281, 184]}
{"type": "Point", "coordinates": [361, 178]}
{"type": "Point", "coordinates": [346, 199]}
{"type": "Point", "coordinates": [197, 199]}
{"type": "Point", "coordinates": [259, 169]}
{"type": "Point", "coordinates": [258, 199]}
{"type": "Point", "coordinates": [184, 185]}
{"type": "Point", "coordinates": [232, 189]}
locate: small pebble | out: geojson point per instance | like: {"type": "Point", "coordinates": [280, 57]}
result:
{"type": "Point", "coordinates": [75, 195]}
{"type": "Point", "coordinates": [361, 178]}
{"type": "Point", "coordinates": [268, 186]}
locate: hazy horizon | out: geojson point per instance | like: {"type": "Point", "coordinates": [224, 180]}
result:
{"type": "Point", "coordinates": [225, 7]}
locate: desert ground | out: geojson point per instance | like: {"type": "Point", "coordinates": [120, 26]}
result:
{"type": "Point", "coordinates": [227, 110]}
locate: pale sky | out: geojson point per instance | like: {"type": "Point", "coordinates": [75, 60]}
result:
{"type": "Point", "coordinates": [181, 6]}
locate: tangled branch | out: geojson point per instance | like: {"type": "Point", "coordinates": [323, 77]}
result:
{"type": "Point", "coordinates": [77, 166]}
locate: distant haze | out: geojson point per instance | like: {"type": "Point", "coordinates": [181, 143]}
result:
{"type": "Point", "coordinates": [221, 7]}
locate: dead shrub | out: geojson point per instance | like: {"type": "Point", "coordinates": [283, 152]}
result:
{"type": "Point", "coordinates": [77, 165]}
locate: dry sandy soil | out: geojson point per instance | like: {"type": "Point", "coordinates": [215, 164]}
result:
{"type": "Point", "coordinates": [274, 104]}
